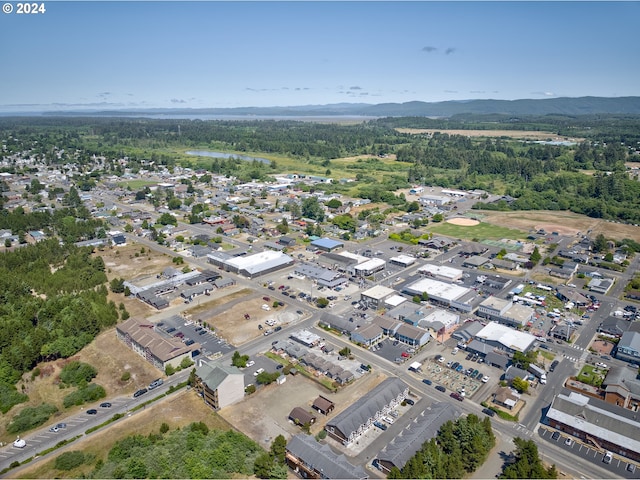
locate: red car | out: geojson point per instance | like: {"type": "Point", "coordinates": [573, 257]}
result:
{"type": "Point", "coordinates": [405, 355]}
{"type": "Point", "coordinates": [266, 299]}
{"type": "Point", "coordinates": [179, 335]}
{"type": "Point", "coordinates": [457, 396]}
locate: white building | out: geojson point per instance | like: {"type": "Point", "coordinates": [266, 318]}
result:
{"type": "Point", "coordinates": [441, 272]}
{"type": "Point", "coordinates": [505, 338]}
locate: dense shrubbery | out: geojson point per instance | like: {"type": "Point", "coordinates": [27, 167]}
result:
{"type": "Point", "coordinates": [527, 463]}
{"type": "Point", "coordinates": [31, 417]}
{"type": "Point", "coordinates": [76, 373]}
{"type": "Point", "coordinates": [9, 396]}
{"type": "Point", "coordinates": [70, 460]}
{"type": "Point", "coordinates": [54, 296]}
{"type": "Point", "coordinates": [87, 394]}
{"type": "Point", "coordinates": [191, 452]}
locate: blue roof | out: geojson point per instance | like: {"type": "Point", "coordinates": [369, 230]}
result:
{"type": "Point", "coordinates": [327, 243]}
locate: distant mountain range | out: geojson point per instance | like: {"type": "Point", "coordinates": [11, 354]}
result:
{"type": "Point", "coordinates": [549, 106]}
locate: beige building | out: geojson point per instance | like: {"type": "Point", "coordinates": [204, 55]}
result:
{"type": "Point", "coordinates": [219, 385]}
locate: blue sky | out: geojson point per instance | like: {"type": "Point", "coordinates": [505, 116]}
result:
{"type": "Point", "coordinates": [227, 54]}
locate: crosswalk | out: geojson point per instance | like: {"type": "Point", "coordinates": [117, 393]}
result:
{"type": "Point", "coordinates": [581, 354]}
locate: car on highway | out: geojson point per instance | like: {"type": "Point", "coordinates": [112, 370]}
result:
{"type": "Point", "coordinates": [457, 396]}
{"type": "Point", "coordinates": [553, 366]}
{"type": "Point", "coordinates": [92, 411]}
{"type": "Point", "coordinates": [441, 388]}
{"type": "Point", "coordinates": [105, 405]}
{"type": "Point", "coordinates": [426, 381]}
{"type": "Point", "coordinates": [489, 412]}
{"type": "Point", "coordinates": [140, 392]}
{"type": "Point", "coordinates": [601, 365]}
{"type": "Point", "coordinates": [156, 383]}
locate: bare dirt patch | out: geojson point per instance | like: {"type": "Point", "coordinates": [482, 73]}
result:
{"type": "Point", "coordinates": [269, 408]}
{"type": "Point", "coordinates": [528, 135]}
{"type": "Point", "coordinates": [227, 315]}
{"type": "Point", "coordinates": [563, 222]}
{"type": "Point", "coordinates": [602, 347]}
{"type": "Point", "coordinates": [177, 411]}
{"type": "Point", "coordinates": [464, 222]}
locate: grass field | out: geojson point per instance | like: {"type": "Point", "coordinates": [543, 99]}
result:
{"type": "Point", "coordinates": [136, 184]}
{"type": "Point", "coordinates": [481, 231]}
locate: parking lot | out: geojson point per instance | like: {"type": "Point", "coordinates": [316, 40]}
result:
{"type": "Point", "coordinates": [211, 344]}
{"type": "Point", "coordinates": [455, 380]}
{"type": "Point", "coordinates": [618, 466]}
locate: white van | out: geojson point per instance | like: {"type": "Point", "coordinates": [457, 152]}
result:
{"type": "Point", "coordinates": [258, 372]}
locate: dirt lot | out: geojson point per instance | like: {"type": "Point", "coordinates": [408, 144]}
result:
{"type": "Point", "coordinates": [566, 223]}
{"type": "Point", "coordinates": [269, 408]}
{"type": "Point", "coordinates": [176, 411]}
{"type": "Point", "coordinates": [529, 135]}
{"type": "Point", "coordinates": [227, 315]}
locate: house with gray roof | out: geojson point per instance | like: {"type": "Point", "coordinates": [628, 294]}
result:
{"type": "Point", "coordinates": [351, 423]}
{"type": "Point", "coordinates": [421, 429]}
{"type": "Point", "coordinates": [628, 348]}
{"type": "Point", "coordinates": [367, 335]}
{"type": "Point", "coordinates": [467, 331]}
{"type": "Point", "coordinates": [613, 326]}
{"type": "Point", "coordinates": [594, 421]}
{"type": "Point", "coordinates": [219, 385]}
{"type": "Point", "coordinates": [311, 459]}
{"type": "Point", "coordinates": [341, 324]}
{"type": "Point", "coordinates": [622, 387]}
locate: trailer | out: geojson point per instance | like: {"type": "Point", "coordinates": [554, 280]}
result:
{"type": "Point", "coordinates": [538, 372]}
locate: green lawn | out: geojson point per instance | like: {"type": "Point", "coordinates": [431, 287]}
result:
{"type": "Point", "coordinates": [136, 184]}
{"type": "Point", "coordinates": [481, 231]}
{"type": "Point", "coordinates": [591, 375]}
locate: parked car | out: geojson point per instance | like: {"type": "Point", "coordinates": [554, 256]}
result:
{"type": "Point", "coordinates": [631, 467]}
{"type": "Point", "coordinates": [171, 330]}
{"type": "Point", "coordinates": [485, 379]}
{"type": "Point", "coordinates": [189, 342]}
{"type": "Point", "coordinates": [568, 442]}
{"type": "Point", "coordinates": [53, 429]}
{"type": "Point", "coordinates": [454, 365]}
{"type": "Point", "coordinates": [408, 401]}
{"type": "Point", "coordinates": [555, 436]}
{"type": "Point", "coordinates": [608, 457]}
{"type": "Point", "coordinates": [380, 425]}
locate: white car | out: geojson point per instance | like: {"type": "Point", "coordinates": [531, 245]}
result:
{"type": "Point", "coordinates": [250, 363]}
{"type": "Point", "coordinates": [266, 307]}
{"type": "Point", "coordinates": [485, 379]}
{"type": "Point", "coordinates": [258, 372]}
{"type": "Point", "coordinates": [601, 365]}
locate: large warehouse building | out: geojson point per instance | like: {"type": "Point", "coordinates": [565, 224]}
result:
{"type": "Point", "coordinates": [251, 265]}
{"type": "Point", "coordinates": [447, 294]}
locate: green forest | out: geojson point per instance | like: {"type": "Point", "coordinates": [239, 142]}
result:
{"type": "Point", "coordinates": [588, 178]}
{"type": "Point", "coordinates": [55, 296]}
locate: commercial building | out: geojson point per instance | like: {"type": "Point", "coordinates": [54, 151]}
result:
{"type": "Point", "coordinates": [504, 338]}
{"type": "Point", "coordinates": [351, 423]}
{"type": "Point", "coordinates": [596, 422]}
{"type": "Point", "coordinates": [327, 244]}
{"type": "Point", "coordinates": [505, 311]}
{"type": "Point", "coordinates": [375, 296]}
{"type": "Point", "coordinates": [219, 385]}
{"type": "Point", "coordinates": [369, 267]}
{"type": "Point", "coordinates": [252, 265]}
{"type": "Point", "coordinates": [446, 294]}
{"type": "Point", "coordinates": [441, 272]}
{"type": "Point", "coordinates": [323, 276]}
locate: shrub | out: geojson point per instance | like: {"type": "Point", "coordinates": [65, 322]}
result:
{"type": "Point", "coordinates": [31, 417]}
{"type": "Point", "coordinates": [164, 428]}
{"type": "Point", "coordinates": [10, 396]}
{"type": "Point", "coordinates": [76, 372]}
{"type": "Point", "coordinates": [88, 394]}
{"type": "Point", "coordinates": [126, 376]}
{"type": "Point", "coordinates": [70, 460]}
